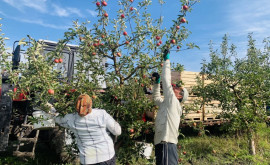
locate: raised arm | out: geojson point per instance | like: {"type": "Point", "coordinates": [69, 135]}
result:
{"type": "Point", "coordinates": [112, 125]}
{"type": "Point", "coordinates": [166, 77]}
{"type": "Point", "coordinates": [156, 89]}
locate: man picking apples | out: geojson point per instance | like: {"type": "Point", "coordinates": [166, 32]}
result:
{"type": "Point", "coordinates": [90, 128]}
{"type": "Point", "coordinates": [168, 116]}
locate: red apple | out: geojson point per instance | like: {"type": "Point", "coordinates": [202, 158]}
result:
{"type": "Point", "coordinates": [178, 27]}
{"type": "Point", "coordinates": [131, 8]}
{"type": "Point", "coordinates": [118, 54]}
{"type": "Point", "coordinates": [158, 44]}
{"type": "Point", "coordinates": [94, 96]}
{"type": "Point", "coordinates": [161, 64]}
{"type": "Point", "coordinates": [185, 7]}
{"type": "Point", "coordinates": [184, 152]}
{"type": "Point", "coordinates": [136, 80]}
{"type": "Point", "coordinates": [95, 44]}
{"type": "Point", "coordinates": [146, 131]}
{"type": "Point", "coordinates": [131, 0]}
{"type": "Point", "coordinates": [104, 3]}
{"type": "Point", "coordinates": [122, 15]}
{"type": "Point", "coordinates": [127, 42]}
{"type": "Point", "coordinates": [142, 85]}
{"type": "Point", "coordinates": [179, 160]}
{"type": "Point", "coordinates": [73, 90]}
{"type": "Point", "coordinates": [94, 53]}
{"type": "Point", "coordinates": [173, 41]}
{"type": "Point", "coordinates": [144, 76]}
{"type": "Point", "coordinates": [157, 37]}
{"type": "Point", "coordinates": [178, 47]}
{"type": "Point", "coordinates": [60, 60]}
{"type": "Point", "coordinates": [56, 60]}
{"type": "Point", "coordinates": [179, 146]}
{"type": "Point", "coordinates": [106, 14]}
{"type": "Point", "coordinates": [81, 38]}
{"type": "Point", "coordinates": [131, 130]}
{"type": "Point", "coordinates": [98, 4]}
{"type": "Point", "coordinates": [183, 20]}
{"type": "Point", "coordinates": [51, 91]}
{"type": "Point", "coordinates": [102, 36]}
{"type": "Point", "coordinates": [124, 33]}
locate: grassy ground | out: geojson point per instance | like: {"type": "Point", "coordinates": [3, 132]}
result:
{"type": "Point", "coordinates": [216, 148]}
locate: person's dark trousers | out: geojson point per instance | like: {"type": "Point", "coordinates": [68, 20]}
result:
{"type": "Point", "coordinates": [166, 154]}
{"type": "Point", "coordinates": [108, 162]}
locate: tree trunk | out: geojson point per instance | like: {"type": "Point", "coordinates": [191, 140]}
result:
{"type": "Point", "coordinates": [252, 148]}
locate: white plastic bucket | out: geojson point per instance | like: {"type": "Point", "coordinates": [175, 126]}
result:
{"type": "Point", "coordinates": [47, 121]}
{"type": "Point", "coordinates": [146, 149]}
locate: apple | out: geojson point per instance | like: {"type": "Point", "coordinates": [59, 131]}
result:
{"type": "Point", "coordinates": [127, 42]}
{"type": "Point", "coordinates": [73, 90]}
{"type": "Point", "coordinates": [118, 54]}
{"type": "Point", "coordinates": [179, 160]}
{"type": "Point", "coordinates": [131, 130]}
{"type": "Point", "coordinates": [194, 124]}
{"type": "Point", "coordinates": [104, 3]}
{"type": "Point", "coordinates": [142, 85]}
{"type": "Point", "coordinates": [94, 96]}
{"type": "Point", "coordinates": [94, 53]}
{"type": "Point", "coordinates": [177, 27]}
{"type": "Point", "coordinates": [146, 131]}
{"type": "Point", "coordinates": [183, 20]}
{"type": "Point", "coordinates": [56, 60]}
{"type": "Point", "coordinates": [102, 36]}
{"type": "Point", "coordinates": [51, 91]}
{"type": "Point", "coordinates": [124, 33]}
{"type": "Point", "coordinates": [144, 76]}
{"type": "Point", "coordinates": [214, 151]}
{"type": "Point", "coordinates": [158, 44]}
{"type": "Point", "coordinates": [161, 64]}
{"type": "Point", "coordinates": [131, 0]}
{"type": "Point", "coordinates": [60, 60]}
{"type": "Point", "coordinates": [122, 15]}
{"type": "Point", "coordinates": [185, 7]}
{"type": "Point", "coordinates": [184, 152]}
{"type": "Point", "coordinates": [179, 146]}
{"type": "Point", "coordinates": [173, 41]}
{"type": "Point", "coordinates": [95, 44]}
{"type": "Point", "coordinates": [106, 14]}
{"type": "Point", "coordinates": [157, 37]}
{"type": "Point", "coordinates": [98, 3]}
{"type": "Point", "coordinates": [81, 38]}
{"type": "Point", "coordinates": [131, 8]}
{"type": "Point", "coordinates": [136, 80]}
{"type": "Point", "coordinates": [178, 47]}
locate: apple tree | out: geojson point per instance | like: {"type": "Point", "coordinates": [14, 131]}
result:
{"type": "Point", "coordinates": [240, 84]}
{"type": "Point", "coordinates": [131, 41]}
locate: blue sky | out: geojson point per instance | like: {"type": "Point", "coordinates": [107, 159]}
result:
{"type": "Point", "coordinates": [209, 20]}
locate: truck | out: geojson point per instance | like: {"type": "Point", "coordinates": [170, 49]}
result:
{"type": "Point", "coordinates": [14, 112]}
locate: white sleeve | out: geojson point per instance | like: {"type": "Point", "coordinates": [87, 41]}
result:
{"type": "Point", "coordinates": [112, 125]}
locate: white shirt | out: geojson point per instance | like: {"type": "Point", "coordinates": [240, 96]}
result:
{"type": "Point", "coordinates": [94, 143]}
{"type": "Point", "coordinates": [169, 113]}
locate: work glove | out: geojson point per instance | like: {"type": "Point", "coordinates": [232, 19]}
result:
{"type": "Point", "coordinates": [166, 54]}
{"type": "Point", "coordinates": [156, 77]}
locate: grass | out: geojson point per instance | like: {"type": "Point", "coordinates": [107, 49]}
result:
{"type": "Point", "coordinates": [216, 149]}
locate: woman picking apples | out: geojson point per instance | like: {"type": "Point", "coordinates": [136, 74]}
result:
{"type": "Point", "coordinates": [90, 129]}
{"type": "Point", "coordinates": [168, 116]}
